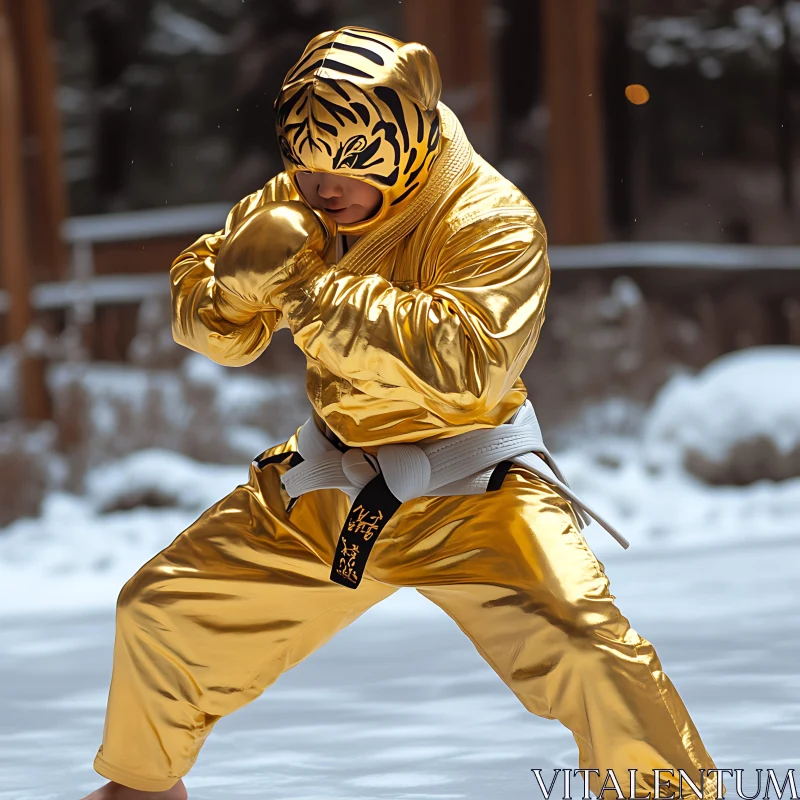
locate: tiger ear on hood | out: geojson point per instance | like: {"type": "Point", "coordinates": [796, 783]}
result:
{"type": "Point", "coordinates": [315, 41]}
{"type": "Point", "coordinates": [418, 70]}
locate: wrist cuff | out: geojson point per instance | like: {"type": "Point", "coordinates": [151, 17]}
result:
{"type": "Point", "coordinates": [306, 267]}
{"type": "Point", "coordinates": [232, 308]}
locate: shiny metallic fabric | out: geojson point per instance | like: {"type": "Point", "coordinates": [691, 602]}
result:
{"type": "Point", "coordinates": [244, 594]}
{"type": "Point", "coordinates": [363, 105]}
{"type": "Point", "coordinates": [276, 245]}
{"type": "Point", "coordinates": [421, 330]}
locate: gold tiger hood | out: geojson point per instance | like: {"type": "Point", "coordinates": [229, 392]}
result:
{"type": "Point", "coordinates": [366, 106]}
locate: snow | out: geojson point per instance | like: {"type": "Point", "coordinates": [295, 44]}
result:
{"type": "Point", "coordinates": [177, 34]}
{"type": "Point", "coordinates": [742, 398]}
{"type": "Point", "coordinates": [80, 552]}
{"type": "Point", "coordinates": [671, 40]}
{"type": "Point", "coordinates": [169, 478]}
{"type": "Point", "coordinates": [199, 408]}
{"type": "Point", "coordinates": [670, 510]}
{"type": "Point", "coordinates": [237, 396]}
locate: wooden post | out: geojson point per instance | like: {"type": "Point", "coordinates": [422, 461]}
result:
{"type": "Point", "coordinates": [575, 184]}
{"type": "Point", "coordinates": [457, 33]}
{"type": "Point", "coordinates": [41, 128]}
{"type": "Point", "coordinates": [14, 259]}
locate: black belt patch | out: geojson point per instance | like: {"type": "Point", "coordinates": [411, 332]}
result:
{"type": "Point", "coordinates": [372, 509]}
{"type": "Point", "coordinates": [368, 516]}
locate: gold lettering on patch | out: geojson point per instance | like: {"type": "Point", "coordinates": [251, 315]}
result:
{"type": "Point", "coordinates": [364, 524]}
{"type": "Point", "coordinates": [347, 562]}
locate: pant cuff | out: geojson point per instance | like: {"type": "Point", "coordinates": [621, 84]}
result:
{"type": "Point", "coordinates": [132, 781]}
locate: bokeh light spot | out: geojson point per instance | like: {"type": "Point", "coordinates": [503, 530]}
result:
{"type": "Point", "coordinates": [637, 94]}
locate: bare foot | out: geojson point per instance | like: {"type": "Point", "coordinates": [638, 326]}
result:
{"type": "Point", "coordinates": [115, 791]}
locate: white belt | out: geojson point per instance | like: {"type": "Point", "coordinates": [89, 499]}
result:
{"type": "Point", "coordinates": [458, 465]}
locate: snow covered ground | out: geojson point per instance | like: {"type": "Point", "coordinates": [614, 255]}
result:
{"type": "Point", "coordinates": [711, 579]}
{"type": "Point", "coordinates": [423, 716]}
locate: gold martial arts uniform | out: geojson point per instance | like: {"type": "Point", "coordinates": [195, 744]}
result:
{"type": "Point", "coordinates": [419, 332]}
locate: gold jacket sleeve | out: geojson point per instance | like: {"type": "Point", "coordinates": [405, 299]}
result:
{"type": "Point", "coordinates": [456, 346]}
{"type": "Point", "coordinates": [239, 337]}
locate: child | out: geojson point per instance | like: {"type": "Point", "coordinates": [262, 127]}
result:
{"type": "Point", "coordinates": [416, 289]}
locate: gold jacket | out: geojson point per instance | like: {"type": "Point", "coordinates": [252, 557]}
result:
{"type": "Point", "coordinates": [422, 329]}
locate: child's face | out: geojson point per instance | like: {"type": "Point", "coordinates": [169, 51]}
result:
{"type": "Point", "coordinates": [347, 200]}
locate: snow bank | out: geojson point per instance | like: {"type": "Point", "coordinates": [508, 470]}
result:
{"type": "Point", "coordinates": [78, 554]}
{"type": "Point", "coordinates": [753, 33]}
{"type": "Point", "coordinates": [668, 509]}
{"type": "Point", "coordinates": [203, 410]}
{"type": "Point", "coordinates": [736, 422]}
{"type": "Point", "coordinates": [28, 468]}
{"type": "Point", "coordinates": [158, 478]}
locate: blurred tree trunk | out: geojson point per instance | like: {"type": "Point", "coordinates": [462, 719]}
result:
{"type": "Point", "coordinates": [459, 34]}
{"type": "Point", "coordinates": [41, 126]}
{"type": "Point", "coordinates": [617, 73]}
{"type": "Point", "coordinates": [575, 190]}
{"type": "Point", "coordinates": [14, 251]}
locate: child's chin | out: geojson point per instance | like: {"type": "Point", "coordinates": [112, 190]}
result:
{"type": "Point", "coordinates": [347, 219]}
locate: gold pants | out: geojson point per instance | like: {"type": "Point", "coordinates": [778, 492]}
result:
{"type": "Point", "coordinates": [244, 594]}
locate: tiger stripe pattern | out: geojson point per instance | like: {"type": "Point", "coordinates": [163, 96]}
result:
{"type": "Point", "coordinates": [365, 105]}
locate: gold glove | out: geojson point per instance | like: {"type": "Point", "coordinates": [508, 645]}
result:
{"type": "Point", "coordinates": [275, 246]}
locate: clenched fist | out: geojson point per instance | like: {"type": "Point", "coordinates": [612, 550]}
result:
{"type": "Point", "coordinates": [276, 244]}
